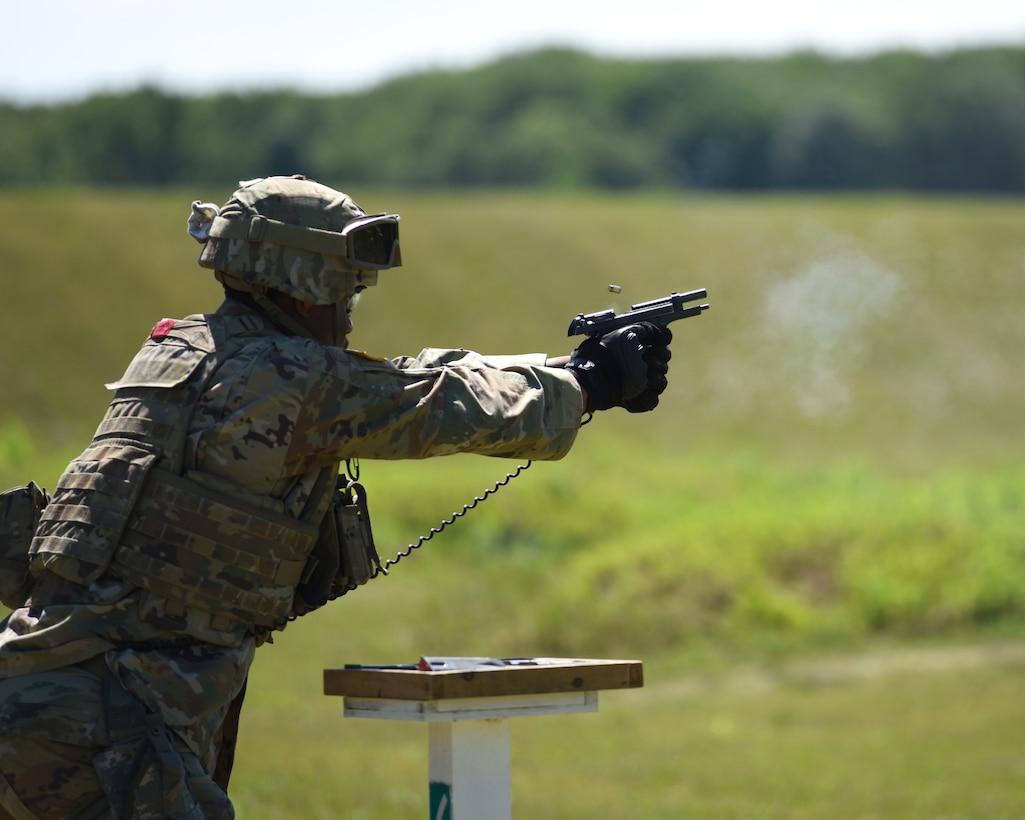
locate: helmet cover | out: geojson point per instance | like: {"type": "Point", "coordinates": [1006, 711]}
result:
{"type": "Point", "coordinates": [285, 234]}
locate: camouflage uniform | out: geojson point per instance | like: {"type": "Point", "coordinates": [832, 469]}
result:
{"type": "Point", "coordinates": [118, 674]}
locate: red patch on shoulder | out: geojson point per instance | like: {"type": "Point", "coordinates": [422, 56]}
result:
{"type": "Point", "coordinates": [161, 329]}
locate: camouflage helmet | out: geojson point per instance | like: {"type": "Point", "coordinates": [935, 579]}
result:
{"type": "Point", "coordinates": [297, 236]}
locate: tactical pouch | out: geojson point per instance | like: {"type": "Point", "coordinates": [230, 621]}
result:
{"type": "Point", "coordinates": [344, 556]}
{"type": "Point", "coordinates": [20, 509]}
{"type": "Point", "coordinates": [358, 554]}
{"type": "Point", "coordinates": [82, 525]}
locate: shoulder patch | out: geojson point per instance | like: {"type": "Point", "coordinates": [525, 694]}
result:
{"type": "Point", "coordinates": [162, 329]}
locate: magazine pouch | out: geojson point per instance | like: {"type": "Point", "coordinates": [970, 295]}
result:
{"type": "Point", "coordinates": [345, 556]}
{"type": "Point", "coordinates": [359, 559]}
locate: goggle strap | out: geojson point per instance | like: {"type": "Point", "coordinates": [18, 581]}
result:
{"type": "Point", "coordinates": [261, 229]}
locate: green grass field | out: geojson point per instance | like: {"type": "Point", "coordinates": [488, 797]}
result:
{"type": "Point", "coordinates": [908, 733]}
{"type": "Point", "coordinates": [833, 475]}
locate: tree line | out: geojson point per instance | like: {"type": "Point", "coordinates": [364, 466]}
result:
{"type": "Point", "coordinates": [950, 122]}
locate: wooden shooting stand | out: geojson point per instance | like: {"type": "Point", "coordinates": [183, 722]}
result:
{"type": "Point", "coordinates": [467, 703]}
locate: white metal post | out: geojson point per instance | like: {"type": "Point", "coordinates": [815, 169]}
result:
{"type": "Point", "coordinates": [469, 770]}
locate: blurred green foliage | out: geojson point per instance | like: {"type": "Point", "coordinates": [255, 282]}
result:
{"type": "Point", "coordinates": [563, 119]}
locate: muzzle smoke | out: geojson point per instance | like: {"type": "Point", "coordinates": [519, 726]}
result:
{"type": "Point", "coordinates": [816, 330]}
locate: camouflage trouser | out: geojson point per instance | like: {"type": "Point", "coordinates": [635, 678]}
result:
{"type": "Point", "coordinates": [75, 745]}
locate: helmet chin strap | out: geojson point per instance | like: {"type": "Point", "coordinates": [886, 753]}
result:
{"type": "Point", "coordinates": [274, 311]}
{"type": "Point", "coordinates": [269, 307]}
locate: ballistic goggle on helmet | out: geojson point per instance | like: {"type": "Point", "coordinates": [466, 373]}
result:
{"type": "Point", "coordinates": [297, 236]}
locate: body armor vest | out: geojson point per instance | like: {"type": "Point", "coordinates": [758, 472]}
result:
{"type": "Point", "coordinates": [125, 506]}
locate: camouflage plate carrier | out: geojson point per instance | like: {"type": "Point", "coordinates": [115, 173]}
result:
{"type": "Point", "coordinates": [124, 506]}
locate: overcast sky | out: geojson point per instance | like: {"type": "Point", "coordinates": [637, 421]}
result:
{"type": "Point", "coordinates": [56, 50]}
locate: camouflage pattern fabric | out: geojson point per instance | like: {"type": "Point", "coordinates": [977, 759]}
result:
{"type": "Point", "coordinates": [320, 277]}
{"type": "Point", "coordinates": [48, 728]}
{"type": "Point", "coordinates": [278, 412]}
{"type": "Point", "coordinates": [69, 750]}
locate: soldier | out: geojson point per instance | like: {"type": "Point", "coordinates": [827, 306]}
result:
{"type": "Point", "coordinates": [204, 513]}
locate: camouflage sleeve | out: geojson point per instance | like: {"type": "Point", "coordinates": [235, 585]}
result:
{"type": "Point", "coordinates": [285, 406]}
{"type": "Point", "coordinates": [439, 403]}
{"type": "Point", "coordinates": [438, 357]}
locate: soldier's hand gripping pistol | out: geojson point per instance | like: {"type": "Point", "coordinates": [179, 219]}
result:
{"type": "Point", "coordinates": [639, 339]}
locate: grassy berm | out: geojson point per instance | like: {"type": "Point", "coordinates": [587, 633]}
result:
{"type": "Point", "coordinates": [814, 544]}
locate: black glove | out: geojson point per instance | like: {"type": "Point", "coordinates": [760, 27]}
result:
{"type": "Point", "coordinates": [657, 356]}
{"type": "Point", "coordinates": [624, 368]}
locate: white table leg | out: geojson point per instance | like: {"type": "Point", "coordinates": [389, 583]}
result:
{"type": "Point", "coordinates": [470, 770]}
